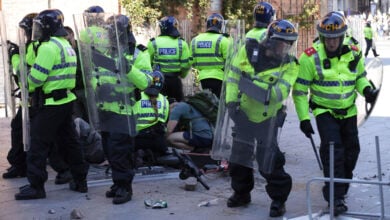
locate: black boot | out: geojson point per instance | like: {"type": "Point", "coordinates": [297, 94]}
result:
{"type": "Point", "coordinates": [277, 209]}
{"type": "Point", "coordinates": [237, 200]}
{"type": "Point", "coordinates": [30, 192]}
{"type": "Point", "coordinates": [122, 195]}
{"type": "Point", "coordinates": [63, 177]}
{"type": "Point", "coordinates": [340, 206]}
{"type": "Point", "coordinates": [375, 53]}
{"type": "Point", "coordinates": [111, 193]}
{"type": "Point", "coordinates": [78, 186]}
{"type": "Point", "coordinates": [14, 172]}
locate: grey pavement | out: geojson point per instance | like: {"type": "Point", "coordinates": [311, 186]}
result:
{"type": "Point", "coordinates": [182, 204]}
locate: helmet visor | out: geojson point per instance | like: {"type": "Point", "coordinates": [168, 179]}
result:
{"type": "Point", "coordinates": [37, 30]}
{"type": "Point", "coordinates": [279, 48]}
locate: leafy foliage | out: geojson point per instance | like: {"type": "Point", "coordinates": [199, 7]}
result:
{"type": "Point", "coordinates": [310, 13]}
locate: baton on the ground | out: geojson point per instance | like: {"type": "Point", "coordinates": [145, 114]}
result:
{"type": "Point", "coordinates": [315, 152]}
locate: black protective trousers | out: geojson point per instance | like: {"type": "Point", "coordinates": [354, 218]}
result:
{"type": "Point", "coordinates": [16, 155]}
{"type": "Point", "coordinates": [118, 148]}
{"type": "Point", "coordinates": [279, 182]}
{"type": "Point", "coordinates": [54, 125]}
{"type": "Point", "coordinates": [173, 88]}
{"type": "Point", "coordinates": [344, 134]}
{"type": "Point", "coordinates": [214, 85]}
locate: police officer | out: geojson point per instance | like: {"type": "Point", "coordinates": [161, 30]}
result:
{"type": "Point", "coordinates": [259, 80]}
{"type": "Point", "coordinates": [152, 112]}
{"type": "Point", "coordinates": [334, 73]}
{"type": "Point", "coordinates": [209, 52]}
{"type": "Point", "coordinates": [170, 54]}
{"type": "Point", "coordinates": [263, 14]}
{"type": "Point", "coordinates": [16, 155]}
{"type": "Point", "coordinates": [51, 79]}
{"type": "Point", "coordinates": [118, 145]}
{"type": "Point", "coordinates": [368, 34]}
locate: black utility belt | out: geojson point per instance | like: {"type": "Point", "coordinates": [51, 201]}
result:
{"type": "Point", "coordinates": [343, 111]}
{"type": "Point", "coordinates": [57, 94]}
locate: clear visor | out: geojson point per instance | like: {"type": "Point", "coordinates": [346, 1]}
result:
{"type": "Point", "coordinates": [279, 48]}
{"type": "Point", "coordinates": [37, 31]}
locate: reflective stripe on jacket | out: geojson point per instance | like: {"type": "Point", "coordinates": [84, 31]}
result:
{"type": "Point", "coordinates": [276, 81]}
{"type": "Point", "coordinates": [54, 69]}
{"type": "Point", "coordinates": [209, 51]}
{"type": "Point", "coordinates": [331, 87]}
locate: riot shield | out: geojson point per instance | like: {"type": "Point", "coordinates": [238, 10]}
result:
{"type": "Point", "coordinates": [374, 69]}
{"type": "Point", "coordinates": [252, 103]}
{"type": "Point", "coordinates": [9, 83]}
{"type": "Point", "coordinates": [103, 47]}
{"type": "Point", "coordinates": [23, 74]}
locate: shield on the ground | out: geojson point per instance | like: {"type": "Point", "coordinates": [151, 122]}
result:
{"type": "Point", "coordinates": [374, 69]}
{"type": "Point", "coordinates": [252, 105]}
{"type": "Point", "coordinates": [103, 48]}
{"type": "Point", "coordinates": [9, 83]}
{"type": "Point", "coordinates": [23, 74]}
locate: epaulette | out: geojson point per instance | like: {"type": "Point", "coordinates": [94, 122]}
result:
{"type": "Point", "coordinates": [354, 47]}
{"type": "Point", "coordinates": [354, 40]}
{"type": "Point", "coordinates": [141, 47]}
{"type": "Point", "coordinates": [226, 34]}
{"type": "Point", "coordinates": [152, 39]}
{"type": "Point", "coordinates": [310, 51]}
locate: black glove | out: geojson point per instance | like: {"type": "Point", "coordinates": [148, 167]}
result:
{"type": "Point", "coordinates": [370, 94]}
{"type": "Point", "coordinates": [232, 108]}
{"type": "Point", "coordinates": [306, 128]}
{"type": "Point", "coordinates": [12, 49]}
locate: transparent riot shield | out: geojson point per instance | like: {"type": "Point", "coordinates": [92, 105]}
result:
{"type": "Point", "coordinates": [9, 83]}
{"type": "Point", "coordinates": [374, 69]}
{"type": "Point", "coordinates": [23, 74]}
{"type": "Point", "coordinates": [103, 47]}
{"type": "Point", "coordinates": [252, 103]}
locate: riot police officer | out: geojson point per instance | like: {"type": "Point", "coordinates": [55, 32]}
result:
{"type": "Point", "coordinates": [16, 155]}
{"type": "Point", "coordinates": [51, 80]}
{"type": "Point", "coordinates": [116, 106]}
{"type": "Point", "coordinates": [333, 84]}
{"type": "Point", "coordinates": [258, 82]}
{"type": "Point", "coordinates": [170, 54]}
{"type": "Point", "coordinates": [209, 52]}
{"type": "Point", "coordinates": [263, 14]}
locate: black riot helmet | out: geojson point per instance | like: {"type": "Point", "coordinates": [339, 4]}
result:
{"type": "Point", "coordinates": [27, 24]}
{"type": "Point", "coordinates": [332, 25]}
{"type": "Point", "coordinates": [214, 22]}
{"type": "Point", "coordinates": [169, 26]}
{"type": "Point", "coordinates": [281, 35]}
{"type": "Point", "coordinates": [94, 9]}
{"type": "Point", "coordinates": [119, 26]}
{"type": "Point", "coordinates": [263, 14]}
{"type": "Point", "coordinates": [48, 23]}
{"type": "Point", "coordinates": [282, 30]}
